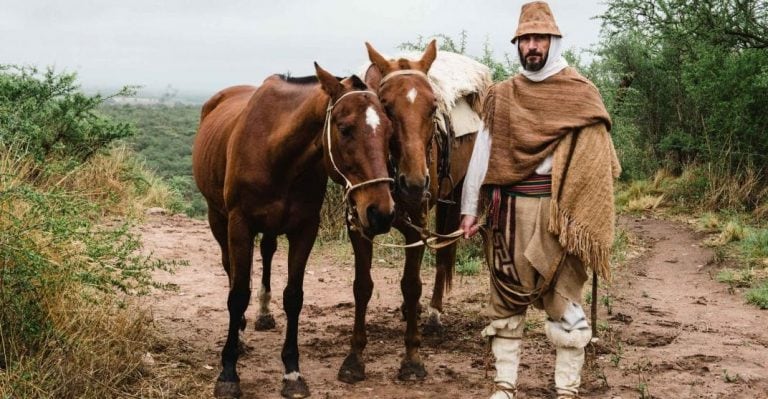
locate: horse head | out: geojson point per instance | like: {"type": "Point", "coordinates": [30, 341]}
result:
{"type": "Point", "coordinates": [356, 138]}
{"type": "Point", "coordinates": [406, 94]}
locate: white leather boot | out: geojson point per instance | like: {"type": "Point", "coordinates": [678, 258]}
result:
{"type": "Point", "coordinates": [506, 341]}
{"type": "Point", "coordinates": [568, 366]}
{"type": "Point", "coordinates": [570, 335]}
{"type": "Point", "coordinates": [507, 354]}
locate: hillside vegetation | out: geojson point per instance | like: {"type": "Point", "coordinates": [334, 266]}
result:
{"type": "Point", "coordinates": [69, 265]}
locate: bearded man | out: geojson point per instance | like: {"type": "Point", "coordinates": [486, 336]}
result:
{"type": "Point", "coordinates": [546, 165]}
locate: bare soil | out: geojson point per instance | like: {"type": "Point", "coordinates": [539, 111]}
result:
{"type": "Point", "coordinates": [672, 331]}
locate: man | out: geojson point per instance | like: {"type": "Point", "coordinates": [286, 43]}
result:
{"type": "Point", "coordinates": [546, 164]}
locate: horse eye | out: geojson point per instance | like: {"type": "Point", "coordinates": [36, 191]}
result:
{"type": "Point", "coordinates": [344, 129]}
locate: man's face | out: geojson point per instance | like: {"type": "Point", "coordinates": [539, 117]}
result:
{"type": "Point", "coordinates": [534, 49]}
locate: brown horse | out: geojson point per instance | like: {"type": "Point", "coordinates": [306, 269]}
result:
{"type": "Point", "coordinates": [261, 158]}
{"type": "Point", "coordinates": [408, 98]}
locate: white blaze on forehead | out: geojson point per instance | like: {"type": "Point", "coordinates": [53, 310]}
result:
{"type": "Point", "coordinates": [411, 95]}
{"type": "Point", "coordinates": [372, 118]}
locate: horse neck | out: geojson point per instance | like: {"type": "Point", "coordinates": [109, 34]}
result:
{"type": "Point", "coordinates": [301, 141]}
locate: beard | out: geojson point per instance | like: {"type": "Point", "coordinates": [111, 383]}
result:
{"type": "Point", "coordinates": [531, 65]}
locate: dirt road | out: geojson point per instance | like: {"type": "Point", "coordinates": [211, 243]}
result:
{"type": "Point", "coordinates": [672, 331]}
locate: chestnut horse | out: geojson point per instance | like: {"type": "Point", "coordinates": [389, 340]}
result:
{"type": "Point", "coordinates": [429, 170]}
{"type": "Point", "coordinates": [261, 158]}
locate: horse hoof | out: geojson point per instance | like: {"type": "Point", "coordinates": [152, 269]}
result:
{"type": "Point", "coordinates": [352, 370]}
{"type": "Point", "coordinates": [295, 388]}
{"type": "Point", "coordinates": [433, 326]}
{"type": "Point", "coordinates": [437, 329]}
{"type": "Point", "coordinates": [265, 322]}
{"type": "Point", "coordinates": [410, 371]}
{"type": "Point", "coordinates": [227, 390]}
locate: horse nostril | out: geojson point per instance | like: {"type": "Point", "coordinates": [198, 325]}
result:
{"type": "Point", "coordinates": [373, 214]}
{"type": "Point", "coordinates": [401, 181]}
{"type": "Point", "coordinates": [379, 222]}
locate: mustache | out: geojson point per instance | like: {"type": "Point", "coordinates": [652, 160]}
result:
{"type": "Point", "coordinates": [534, 54]}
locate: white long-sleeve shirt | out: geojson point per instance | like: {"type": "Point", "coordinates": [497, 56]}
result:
{"type": "Point", "coordinates": [478, 166]}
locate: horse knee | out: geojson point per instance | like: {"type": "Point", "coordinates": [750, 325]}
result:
{"type": "Point", "coordinates": [237, 302]}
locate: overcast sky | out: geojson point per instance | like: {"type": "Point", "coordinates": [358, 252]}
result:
{"type": "Point", "coordinates": [205, 45]}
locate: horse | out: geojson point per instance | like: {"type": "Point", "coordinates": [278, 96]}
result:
{"type": "Point", "coordinates": [261, 158]}
{"type": "Point", "coordinates": [428, 167]}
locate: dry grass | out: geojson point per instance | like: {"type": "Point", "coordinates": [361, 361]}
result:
{"type": "Point", "coordinates": [645, 203]}
{"type": "Point", "coordinates": [709, 221]}
{"type": "Point", "coordinates": [642, 195]}
{"type": "Point", "coordinates": [117, 182]}
{"type": "Point", "coordinates": [734, 192]}
{"type": "Point", "coordinates": [732, 231]}
{"type": "Point", "coordinates": [94, 349]}
{"type": "Point", "coordinates": [332, 226]}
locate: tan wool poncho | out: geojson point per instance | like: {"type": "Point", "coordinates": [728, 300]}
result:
{"type": "Point", "coordinates": [562, 115]}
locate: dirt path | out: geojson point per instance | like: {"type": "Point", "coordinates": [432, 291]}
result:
{"type": "Point", "coordinates": [672, 333]}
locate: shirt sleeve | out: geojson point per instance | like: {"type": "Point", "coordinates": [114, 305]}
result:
{"type": "Point", "coordinates": [478, 166]}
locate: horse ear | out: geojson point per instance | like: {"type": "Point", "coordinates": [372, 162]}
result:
{"type": "Point", "coordinates": [357, 83]}
{"type": "Point", "coordinates": [330, 84]}
{"type": "Point", "coordinates": [373, 77]}
{"type": "Point", "coordinates": [429, 56]}
{"type": "Point", "coordinates": [377, 59]}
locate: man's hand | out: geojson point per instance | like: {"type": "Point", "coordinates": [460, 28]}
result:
{"type": "Point", "coordinates": [469, 225]}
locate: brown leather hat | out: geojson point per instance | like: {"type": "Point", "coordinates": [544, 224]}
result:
{"type": "Point", "coordinates": [536, 17]}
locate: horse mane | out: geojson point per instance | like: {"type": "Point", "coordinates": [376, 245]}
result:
{"type": "Point", "coordinates": [301, 80]}
{"type": "Point", "coordinates": [357, 83]}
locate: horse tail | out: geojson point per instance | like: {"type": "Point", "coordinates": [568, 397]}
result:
{"type": "Point", "coordinates": [448, 283]}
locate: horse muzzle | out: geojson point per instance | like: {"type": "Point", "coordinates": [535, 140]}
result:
{"type": "Point", "coordinates": [378, 222]}
{"type": "Point", "coordinates": [412, 192]}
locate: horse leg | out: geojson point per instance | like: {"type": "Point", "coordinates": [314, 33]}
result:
{"type": "Point", "coordinates": [300, 244]}
{"type": "Point", "coordinates": [240, 240]}
{"type": "Point", "coordinates": [411, 367]}
{"type": "Point", "coordinates": [447, 219]}
{"type": "Point", "coordinates": [353, 368]}
{"type": "Point", "coordinates": [218, 223]}
{"type": "Point", "coordinates": [265, 320]}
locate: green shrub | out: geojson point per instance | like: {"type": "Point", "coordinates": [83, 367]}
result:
{"type": "Point", "coordinates": [754, 245]}
{"type": "Point", "coordinates": [758, 296]}
{"type": "Point", "coordinates": [46, 114]}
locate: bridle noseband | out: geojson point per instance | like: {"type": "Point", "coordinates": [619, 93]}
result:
{"type": "Point", "coordinates": [348, 186]}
